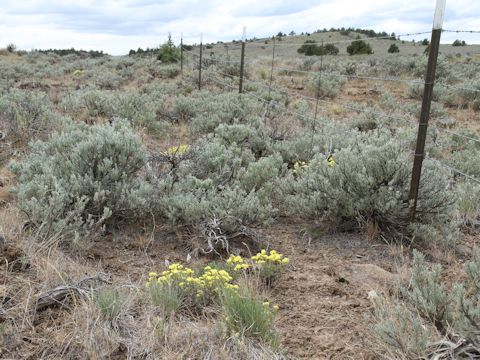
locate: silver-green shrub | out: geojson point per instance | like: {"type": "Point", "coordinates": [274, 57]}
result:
{"type": "Point", "coordinates": [142, 110]}
{"type": "Point", "coordinates": [81, 177]}
{"type": "Point", "coordinates": [226, 108]}
{"type": "Point", "coordinates": [470, 93]}
{"type": "Point", "coordinates": [369, 183]}
{"type": "Point", "coordinates": [411, 323]}
{"type": "Point", "coordinates": [24, 113]}
{"type": "Point", "coordinates": [467, 194]}
{"type": "Point", "coordinates": [467, 161]}
{"type": "Point", "coordinates": [327, 85]}
{"type": "Point", "coordinates": [398, 332]}
{"type": "Point", "coordinates": [221, 190]}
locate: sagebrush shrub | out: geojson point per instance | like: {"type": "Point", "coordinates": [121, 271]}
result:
{"type": "Point", "coordinates": [425, 311]}
{"type": "Point", "coordinates": [81, 177]}
{"type": "Point", "coordinates": [108, 80]}
{"type": "Point", "coordinates": [220, 189]}
{"type": "Point", "coordinates": [471, 93]}
{"type": "Point", "coordinates": [467, 161]}
{"type": "Point", "coordinates": [24, 113]}
{"type": "Point", "coordinates": [369, 183]}
{"type": "Point", "coordinates": [399, 332]}
{"type": "Point", "coordinates": [224, 109]}
{"type": "Point", "coordinates": [327, 85]}
{"type": "Point", "coordinates": [468, 202]}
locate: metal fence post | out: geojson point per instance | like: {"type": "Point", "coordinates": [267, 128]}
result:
{"type": "Point", "coordinates": [242, 61]}
{"type": "Point", "coordinates": [200, 64]}
{"type": "Point", "coordinates": [181, 54]}
{"type": "Point", "coordinates": [426, 104]}
{"type": "Point", "coordinates": [319, 86]}
{"type": "Point", "coordinates": [271, 69]}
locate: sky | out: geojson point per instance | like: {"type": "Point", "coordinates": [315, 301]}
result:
{"type": "Point", "coordinates": [116, 26]}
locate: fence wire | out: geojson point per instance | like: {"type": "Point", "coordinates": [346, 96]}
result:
{"type": "Point", "coordinates": [215, 74]}
{"type": "Point", "coordinates": [455, 171]}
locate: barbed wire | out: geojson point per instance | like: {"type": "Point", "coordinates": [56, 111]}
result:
{"type": "Point", "coordinates": [462, 31]}
{"type": "Point", "coordinates": [285, 109]}
{"type": "Point", "coordinates": [359, 77]}
{"type": "Point", "coordinates": [266, 102]}
{"type": "Point", "coordinates": [309, 118]}
{"type": "Point", "coordinates": [312, 99]}
{"type": "Point", "coordinates": [441, 163]}
{"type": "Point", "coordinates": [216, 60]}
{"type": "Point", "coordinates": [280, 89]}
{"type": "Point", "coordinates": [362, 77]}
{"type": "Point", "coordinates": [455, 87]}
{"type": "Point", "coordinates": [461, 135]}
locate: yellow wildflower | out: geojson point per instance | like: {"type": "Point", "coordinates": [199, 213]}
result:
{"type": "Point", "coordinates": [240, 267]}
{"type": "Point", "coordinates": [331, 161]}
{"type": "Point", "coordinates": [178, 150]}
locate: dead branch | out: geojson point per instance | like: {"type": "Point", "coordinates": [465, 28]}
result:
{"type": "Point", "coordinates": [216, 238]}
{"type": "Point", "coordinates": [448, 350]}
{"type": "Point", "coordinates": [83, 288]}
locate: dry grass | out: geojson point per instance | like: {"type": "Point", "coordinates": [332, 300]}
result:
{"type": "Point", "coordinates": [75, 327]}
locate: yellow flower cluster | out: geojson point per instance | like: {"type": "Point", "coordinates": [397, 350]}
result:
{"type": "Point", "coordinates": [267, 304]}
{"type": "Point", "coordinates": [216, 279]}
{"type": "Point", "coordinates": [273, 258]}
{"type": "Point", "coordinates": [299, 165]}
{"type": "Point", "coordinates": [175, 273]}
{"type": "Point", "coordinates": [331, 161]}
{"type": "Point", "coordinates": [211, 280]}
{"type": "Point", "coordinates": [238, 262]}
{"type": "Point", "coordinates": [177, 150]}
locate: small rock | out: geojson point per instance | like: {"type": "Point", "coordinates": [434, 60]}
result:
{"type": "Point", "coordinates": [368, 276]}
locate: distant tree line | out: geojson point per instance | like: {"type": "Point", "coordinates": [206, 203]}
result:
{"type": "Point", "coordinates": [154, 51]}
{"type": "Point", "coordinates": [367, 32]}
{"type": "Point", "coordinates": [72, 51]}
{"type": "Point", "coordinates": [141, 51]}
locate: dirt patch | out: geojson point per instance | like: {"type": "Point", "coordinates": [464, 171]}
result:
{"type": "Point", "coordinates": [323, 297]}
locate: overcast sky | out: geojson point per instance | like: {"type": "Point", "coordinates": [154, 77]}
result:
{"type": "Point", "coordinates": [117, 26]}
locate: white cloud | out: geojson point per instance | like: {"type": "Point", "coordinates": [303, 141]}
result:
{"type": "Point", "coordinates": [116, 26]}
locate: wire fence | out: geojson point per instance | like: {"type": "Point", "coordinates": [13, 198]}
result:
{"type": "Point", "coordinates": [218, 77]}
